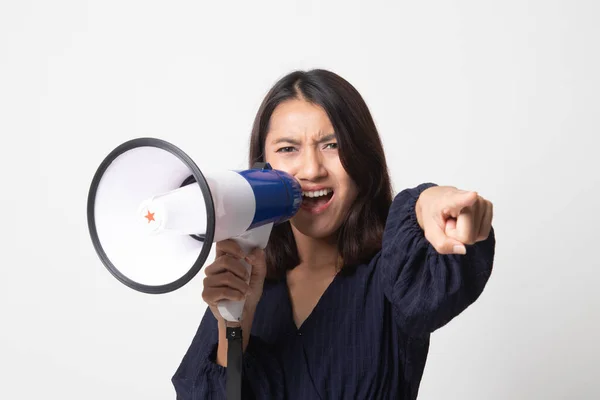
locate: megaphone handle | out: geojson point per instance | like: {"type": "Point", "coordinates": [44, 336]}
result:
{"type": "Point", "coordinates": [258, 237]}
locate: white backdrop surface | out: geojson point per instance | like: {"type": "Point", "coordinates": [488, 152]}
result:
{"type": "Point", "coordinates": [495, 96]}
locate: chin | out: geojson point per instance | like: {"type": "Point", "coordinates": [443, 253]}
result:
{"type": "Point", "coordinates": [313, 228]}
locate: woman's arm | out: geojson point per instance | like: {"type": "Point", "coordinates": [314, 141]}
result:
{"type": "Point", "coordinates": [428, 289]}
{"type": "Point", "coordinates": [200, 376]}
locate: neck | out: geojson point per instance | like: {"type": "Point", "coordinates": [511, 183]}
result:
{"type": "Point", "coordinates": [316, 255]}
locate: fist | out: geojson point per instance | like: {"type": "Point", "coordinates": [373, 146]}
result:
{"type": "Point", "coordinates": [451, 218]}
{"type": "Point", "coordinates": [228, 279]}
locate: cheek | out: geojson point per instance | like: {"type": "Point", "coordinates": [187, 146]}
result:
{"type": "Point", "coordinates": [343, 179]}
{"type": "Point", "coordinates": [272, 159]}
{"type": "Point", "coordinates": [350, 190]}
{"type": "Point", "coordinates": [281, 166]}
{"type": "Point", "coordinates": [267, 156]}
{"type": "Point", "coordinates": [281, 163]}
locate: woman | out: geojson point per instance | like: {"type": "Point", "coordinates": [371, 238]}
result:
{"type": "Point", "coordinates": [341, 303]}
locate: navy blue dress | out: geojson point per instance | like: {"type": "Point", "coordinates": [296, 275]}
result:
{"type": "Point", "coordinates": [368, 336]}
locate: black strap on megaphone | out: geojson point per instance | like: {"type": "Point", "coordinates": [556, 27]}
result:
{"type": "Point", "coordinates": [234, 363]}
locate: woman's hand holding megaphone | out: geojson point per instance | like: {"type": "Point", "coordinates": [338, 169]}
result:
{"type": "Point", "coordinates": [227, 279]}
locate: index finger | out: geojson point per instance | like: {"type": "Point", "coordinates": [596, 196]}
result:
{"type": "Point", "coordinates": [456, 202]}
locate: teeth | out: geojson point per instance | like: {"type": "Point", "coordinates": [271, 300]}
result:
{"type": "Point", "coordinates": [317, 193]}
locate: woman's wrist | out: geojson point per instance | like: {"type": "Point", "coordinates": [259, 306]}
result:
{"type": "Point", "coordinates": [246, 325]}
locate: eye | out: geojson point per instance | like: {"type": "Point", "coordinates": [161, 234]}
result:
{"type": "Point", "coordinates": [287, 149]}
{"type": "Point", "coordinates": [331, 146]}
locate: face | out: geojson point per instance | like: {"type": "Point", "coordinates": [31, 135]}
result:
{"type": "Point", "coordinates": [301, 141]}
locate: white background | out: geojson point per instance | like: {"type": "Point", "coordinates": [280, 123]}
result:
{"type": "Point", "coordinates": [501, 97]}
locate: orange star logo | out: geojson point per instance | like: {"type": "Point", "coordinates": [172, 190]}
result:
{"type": "Point", "coordinates": [150, 216]}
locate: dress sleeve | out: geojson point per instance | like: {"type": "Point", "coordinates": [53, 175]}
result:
{"type": "Point", "coordinates": [199, 377]}
{"type": "Point", "coordinates": [427, 289]}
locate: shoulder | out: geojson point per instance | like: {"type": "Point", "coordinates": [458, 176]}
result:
{"type": "Point", "coordinates": [272, 312]}
{"type": "Point", "coordinates": [402, 218]}
{"type": "Point", "coordinates": [272, 285]}
{"type": "Point", "coordinates": [409, 196]}
{"type": "Point", "coordinates": [273, 296]}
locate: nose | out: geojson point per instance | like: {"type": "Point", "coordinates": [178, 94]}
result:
{"type": "Point", "coordinates": [311, 168]}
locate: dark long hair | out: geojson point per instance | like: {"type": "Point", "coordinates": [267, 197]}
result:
{"type": "Point", "coordinates": [361, 154]}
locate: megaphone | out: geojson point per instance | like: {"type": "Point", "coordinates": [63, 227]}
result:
{"type": "Point", "coordinates": [153, 215]}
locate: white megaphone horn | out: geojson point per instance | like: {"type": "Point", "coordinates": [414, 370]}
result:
{"type": "Point", "coordinates": [153, 215]}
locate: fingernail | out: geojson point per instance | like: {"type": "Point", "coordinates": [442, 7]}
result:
{"type": "Point", "coordinates": [459, 249]}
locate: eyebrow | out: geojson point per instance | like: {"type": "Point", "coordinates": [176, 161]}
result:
{"type": "Point", "coordinates": [285, 139]}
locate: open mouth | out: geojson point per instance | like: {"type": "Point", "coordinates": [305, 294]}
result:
{"type": "Point", "coordinates": [316, 201]}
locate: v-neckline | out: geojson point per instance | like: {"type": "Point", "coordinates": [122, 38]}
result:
{"type": "Point", "coordinates": [290, 305]}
